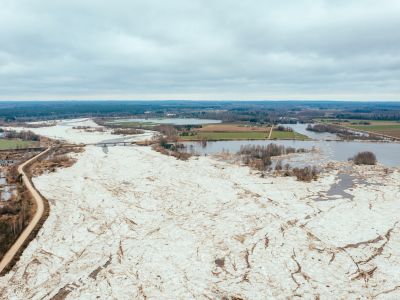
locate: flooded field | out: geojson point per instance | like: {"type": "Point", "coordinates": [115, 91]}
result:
{"type": "Point", "coordinates": [387, 153]}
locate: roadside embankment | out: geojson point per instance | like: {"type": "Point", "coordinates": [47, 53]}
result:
{"type": "Point", "coordinates": [31, 230]}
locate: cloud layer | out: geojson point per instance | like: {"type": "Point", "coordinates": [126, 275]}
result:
{"type": "Point", "coordinates": [200, 49]}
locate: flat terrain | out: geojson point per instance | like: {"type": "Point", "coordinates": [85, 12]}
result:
{"type": "Point", "coordinates": [232, 128]}
{"type": "Point", "coordinates": [14, 144]}
{"type": "Point", "coordinates": [287, 135]}
{"type": "Point", "coordinates": [390, 128]}
{"type": "Point", "coordinates": [217, 136]}
{"type": "Point", "coordinates": [133, 223]}
{"type": "Point", "coordinates": [219, 132]}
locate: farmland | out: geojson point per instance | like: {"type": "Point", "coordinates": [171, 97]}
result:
{"type": "Point", "coordinates": [15, 144]}
{"type": "Point", "coordinates": [216, 136]}
{"type": "Point", "coordinates": [390, 128]}
{"type": "Point", "coordinates": [233, 128]}
{"type": "Point", "coordinates": [217, 132]}
{"type": "Point", "coordinates": [246, 135]}
{"type": "Point", "coordinates": [288, 135]}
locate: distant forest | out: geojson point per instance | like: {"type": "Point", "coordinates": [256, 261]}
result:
{"type": "Point", "coordinates": [246, 111]}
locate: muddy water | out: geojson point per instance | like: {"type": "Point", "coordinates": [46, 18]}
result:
{"type": "Point", "coordinates": [387, 154]}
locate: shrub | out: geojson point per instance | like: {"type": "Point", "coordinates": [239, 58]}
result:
{"type": "Point", "coordinates": [60, 158]}
{"type": "Point", "coordinates": [278, 166]}
{"type": "Point", "coordinates": [163, 142]}
{"type": "Point", "coordinates": [127, 131]}
{"type": "Point", "coordinates": [306, 173]}
{"type": "Point", "coordinates": [283, 128]}
{"type": "Point", "coordinates": [365, 158]}
{"type": "Point", "coordinates": [259, 157]}
{"type": "Point", "coordinates": [290, 150]}
{"type": "Point", "coordinates": [23, 135]}
{"type": "Point", "coordinates": [171, 149]}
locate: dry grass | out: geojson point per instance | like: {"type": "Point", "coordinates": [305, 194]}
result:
{"type": "Point", "coordinates": [89, 129]}
{"type": "Point", "coordinates": [162, 146]}
{"type": "Point", "coordinates": [389, 132]}
{"type": "Point", "coordinates": [59, 158]}
{"type": "Point", "coordinates": [259, 157]}
{"type": "Point", "coordinates": [307, 173]}
{"type": "Point", "coordinates": [177, 154]}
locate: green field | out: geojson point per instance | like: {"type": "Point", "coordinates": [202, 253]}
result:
{"type": "Point", "coordinates": [389, 128]}
{"type": "Point", "coordinates": [14, 144]}
{"type": "Point", "coordinates": [287, 135]}
{"type": "Point", "coordinates": [217, 136]}
{"type": "Point", "coordinates": [375, 127]}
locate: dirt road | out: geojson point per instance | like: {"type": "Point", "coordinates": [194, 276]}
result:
{"type": "Point", "coordinates": [8, 257]}
{"type": "Point", "coordinates": [270, 132]}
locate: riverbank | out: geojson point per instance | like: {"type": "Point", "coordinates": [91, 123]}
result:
{"type": "Point", "coordinates": [133, 223]}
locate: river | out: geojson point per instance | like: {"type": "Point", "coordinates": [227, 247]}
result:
{"type": "Point", "coordinates": [387, 154]}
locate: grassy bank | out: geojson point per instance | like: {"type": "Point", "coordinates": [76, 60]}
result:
{"type": "Point", "coordinates": [288, 135]}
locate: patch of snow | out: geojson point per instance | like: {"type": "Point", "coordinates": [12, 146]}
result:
{"type": "Point", "coordinates": [63, 130]}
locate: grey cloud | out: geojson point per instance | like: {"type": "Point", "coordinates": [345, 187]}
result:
{"type": "Point", "coordinates": [200, 49]}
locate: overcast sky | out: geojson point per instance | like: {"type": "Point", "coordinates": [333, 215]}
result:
{"type": "Point", "coordinates": [200, 49]}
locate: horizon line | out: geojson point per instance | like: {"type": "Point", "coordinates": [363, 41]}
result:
{"type": "Point", "coordinates": [199, 100]}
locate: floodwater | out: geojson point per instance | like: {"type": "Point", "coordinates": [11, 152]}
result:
{"type": "Point", "coordinates": [172, 121]}
{"type": "Point", "coordinates": [388, 154]}
{"type": "Point", "coordinates": [319, 136]}
{"type": "Point", "coordinates": [346, 181]}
